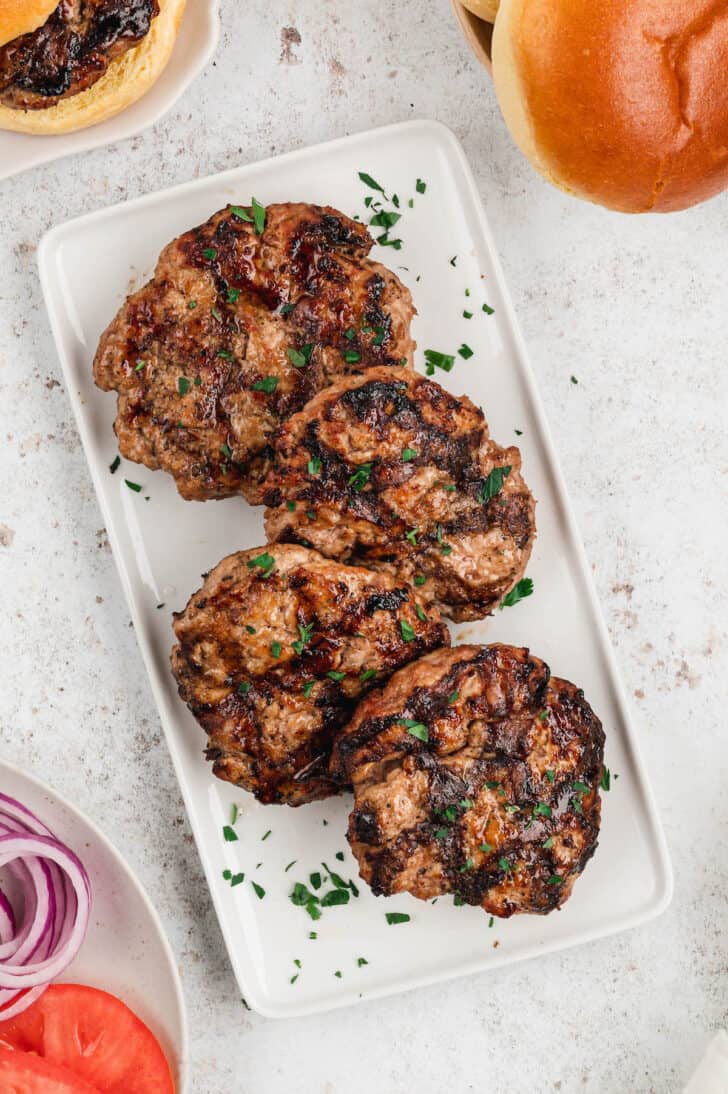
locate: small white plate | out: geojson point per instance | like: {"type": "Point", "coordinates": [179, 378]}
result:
{"type": "Point", "coordinates": [163, 544]}
{"type": "Point", "coordinates": [125, 950]}
{"type": "Point", "coordinates": [196, 42]}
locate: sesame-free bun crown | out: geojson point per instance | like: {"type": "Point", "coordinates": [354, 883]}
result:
{"type": "Point", "coordinates": [23, 16]}
{"type": "Point", "coordinates": [127, 78]}
{"type": "Point", "coordinates": [622, 102]}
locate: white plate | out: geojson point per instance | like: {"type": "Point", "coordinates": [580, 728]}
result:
{"type": "Point", "coordinates": [125, 950]}
{"type": "Point", "coordinates": [195, 45]}
{"type": "Point", "coordinates": [163, 544]}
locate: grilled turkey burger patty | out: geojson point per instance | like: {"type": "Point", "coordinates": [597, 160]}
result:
{"type": "Point", "coordinates": [475, 773]}
{"type": "Point", "coordinates": [391, 471]}
{"type": "Point", "coordinates": [71, 50]}
{"type": "Point", "coordinates": [275, 650]}
{"type": "Point", "coordinates": [246, 318]}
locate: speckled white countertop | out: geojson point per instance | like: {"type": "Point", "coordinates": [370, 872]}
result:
{"type": "Point", "coordinates": [636, 310]}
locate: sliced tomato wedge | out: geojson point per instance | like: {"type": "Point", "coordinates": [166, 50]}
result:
{"type": "Point", "coordinates": [93, 1035]}
{"type": "Point", "coordinates": [24, 1073]}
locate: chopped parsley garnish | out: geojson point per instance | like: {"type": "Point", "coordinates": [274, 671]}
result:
{"type": "Point", "coordinates": [379, 333]}
{"type": "Point", "coordinates": [420, 186]}
{"type": "Point", "coordinates": [368, 674]}
{"type": "Point", "coordinates": [265, 837]}
{"type": "Point", "coordinates": [574, 380]}
{"type": "Point", "coordinates": [434, 359]}
{"type": "Point", "coordinates": [606, 779]}
{"type": "Point", "coordinates": [467, 865]}
{"type": "Point", "coordinates": [384, 219]}
{"type": "Point", "coordinates": [258, 217]}
{"type": "Point", "coordinates": [486, 848]}
{"type": "Point", "coordinates": [548, 844]}
{"type": "Point", "coordinates": [227, 452]}
{"type": "Point", "coordinates": [338, 973]}
{"type": "Point", "coordinates": [300, 357]}
{"type": "Point", "coordinates": [554, 880]}
{"type": "Point", "coordinates": [407, 631]}
{"type": "Point", "coordinates": [183, 385]}
{"type": "Point", "coordinates": [335, 675]}
{"type": "Point", "coordinates": [453, 698]}
{"type": "Point", "coordinates": [488, 310]}
{"type": "Point", "coordinates": [192, 305]}
{"type": "Point", "coordinates": [350, 334]}
{"type": "Point", "coordinates": [465, 352]}
{"type": "Point", "coordinates": [225, 354]}
{"type": "Point", "coordinates": [340, 856]}
{"type": "Point", "coordinates": [415, 729]}
{"type": "Point", "coordinates": [314, 466]}
{"type": "Point", "coordinates": [420, 612]}
{"type": "Point", "coordinates": [241, 214]}
{"type": "Point", "coordinates": [294, 978]}
{"type": "Point", "coordinates": [412, 536]}
{"type": "Point", "coordinates": [290, 864]}
{"type": "Point", "coordinates": [408, 454]}
{"type": "Point", "coordinates": [505, 865]}
{"type": "Point", "coordinates": [258, 889]}
{"type": "Point", "coordinates": [523, 589]}
{"type": "Point", "coordinates": [227, 874]}
{"type": "Point", "coordinates": [540, 809]}
{"type": "Point", "coordinates": [305, 631]}
{"type": "Point", "coordinates": [491, 921]}
{"type": "Point", "coordinates": [361, 477]}
{"type": "Point", "coordinates": [361, 961]}
{"type": "Point", "coordinates": [209, 252]}
{"type": "Point", "coordinates": [308, 688]}
{"type": "Point", "coordinates": [550, 775]}
{"type": "Point", "coordinates": [114, 467]}
{"type": "Point", "coordinates": [233, 296]}
{"type": "Point", "coordinates": [543, 716]}
{"type": "Point", "coordinates": [275, 649]}
{"type": "Point", "coordinates": [396, 917]}
{"type": "Point", "coordinates": [334, 898]}
{"type": "Point", "coordinates": [264, 562]}
{"type": "Point", "coordinates": [139, 366]}
{"type": "Point", "coordinates": [229, 834]}
{"type": "Point", "coordinates": [316, 880]}
{"type": "Point", "coordinates": [581, 788]}
{"type": "Point", "coordinates": [420, 579]}
{"type": "Point", "coordinates": [286, 309]}
{"type": "Point", "coordinates": [370, 182]}
{"type": "Point", "coordinates": [233, 813]}
{"type": "Point", "coordinates": [244, 688]}
{"type": "Point", "coordinates": [467, 315]}
{"type": "Point", "coordinates": [465, 804]}
{"type": "Point", "coordinates": [249, 629]}
{"type": "Point", "coordinates": [216, 314]}
{"type": "Point", "coordinates": [442, 833]}
{"type": "Point", "coordinates": [493, 484]}
{"type": "Point", "coordinates": [267, 384]}
{"type": "Point", "coordinates": [237, 879]}
{"type": "Point", "coordinates": [133, 486]}
{"type": "Point", "coordinates": [312, 934]}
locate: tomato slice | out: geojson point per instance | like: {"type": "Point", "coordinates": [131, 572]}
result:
{"type": "Point", "coordinates": [95, 1036]}
{"type": "Point", "coordinates": [24, 1073]}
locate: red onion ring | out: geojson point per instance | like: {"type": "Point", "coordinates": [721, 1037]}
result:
{"type": "Point", "coordinates": [56, 896]}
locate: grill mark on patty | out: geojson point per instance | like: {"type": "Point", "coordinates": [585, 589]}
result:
{"type": "Point", "coordinates": [71, 50]}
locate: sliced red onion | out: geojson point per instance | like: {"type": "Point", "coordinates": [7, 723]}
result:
{"type": "Point", "coordinates": [56, 895]}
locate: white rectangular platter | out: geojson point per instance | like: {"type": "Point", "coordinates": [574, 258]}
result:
{"type": "Point", "coordinates": [163, 544]}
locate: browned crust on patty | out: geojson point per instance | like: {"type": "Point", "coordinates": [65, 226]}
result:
{"type": "Point", "coordinates": [256, 647]}
{"type": "Point", "coordinates": [251, 326]}
{"type": "Point", "coordinates": [396, 471]}
{"type": "Point", "coordinates": [499, 805]}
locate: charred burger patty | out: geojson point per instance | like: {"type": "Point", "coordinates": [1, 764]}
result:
{"type": "Point", "coordinates": [475, 773]}
{"type": "Point", "coordinates": [71, 50]}
{"type": "Point", "coordinates": [247, 317]}
{"type": "Point", "coordinates": [275, 650]}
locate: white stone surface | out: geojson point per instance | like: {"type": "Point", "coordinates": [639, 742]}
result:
{"type": "Point", "coordinates": [636, 310]}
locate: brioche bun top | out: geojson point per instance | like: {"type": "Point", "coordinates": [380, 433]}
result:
{"type": "Point", "coordinates": [622, 102]}
{"type": "Point", "coordinates": [19, 17]}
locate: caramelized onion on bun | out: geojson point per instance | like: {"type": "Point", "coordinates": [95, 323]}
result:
{"type": "Point", "coordinates": [64, 67]}
{"type": "Point", "coordinates": [621, 102]}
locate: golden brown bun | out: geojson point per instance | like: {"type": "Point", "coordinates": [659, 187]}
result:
{"type": "Point", "coordinates": [22, 17]}
{"type": "Point", "coordinates": [125, 81]}
{"type": "Point", "coordinates": [484, 9]}
{"type": "Point", "coordinates": [622, 102]}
